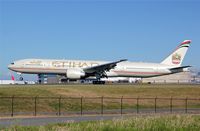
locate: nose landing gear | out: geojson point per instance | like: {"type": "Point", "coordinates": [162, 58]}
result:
{"type": "Point", "coordinates": [21, 78]}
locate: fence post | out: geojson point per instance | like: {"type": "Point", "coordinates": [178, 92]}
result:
{"type": "Point", "coordinates": [121, 105]}
{"type": "Point", "coordinates": [12, 106]}
{"type": "Point", "coordinates": [35, 113]}
{"type": "Point", "coordinates": [102, 105]}
{"type": "Point", "coordinates": [171, 105]}
{"type": "Point", "coordinates": [81, 105]}
{"type": "Point", "coordinates": [59, 105]}
{"type": "Point", "coordinates": [137, 105]}
{"type": "Point", "coordinates": [186, 104]}
{"type": "Point", "coordinates": [155, 104]}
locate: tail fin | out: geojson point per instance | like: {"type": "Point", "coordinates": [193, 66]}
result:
{"type": "Point", "coordinates": [176, 58]}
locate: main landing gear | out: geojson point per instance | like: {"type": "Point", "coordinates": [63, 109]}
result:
{"type": "Point", "coordinates": [98, 78]}
{"type": "Point", "coordinates": [98, 82]}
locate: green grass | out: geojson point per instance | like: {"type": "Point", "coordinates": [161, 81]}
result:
{"type": "Point", "coordinates": [144, 90]}
{"type": "Point", "coordinates": [136, 123]}
{"type": "Point", "coordinates": [51, 105]}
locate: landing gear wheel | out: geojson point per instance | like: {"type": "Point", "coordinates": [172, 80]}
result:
{"type": "Point", "coordinates": [21, 78]}
{"type": "Point", "coordinates": [99, 82]}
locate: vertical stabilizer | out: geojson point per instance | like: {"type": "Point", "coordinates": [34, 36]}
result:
{"type": "Point", "coordinates": [176, 58]}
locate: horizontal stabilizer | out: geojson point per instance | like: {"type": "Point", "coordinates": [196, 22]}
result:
{"type": "Point", "coordinates": [179, 68]}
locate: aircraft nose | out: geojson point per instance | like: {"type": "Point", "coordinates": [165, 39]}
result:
{"type": "Point", "coordinates": [10, 66]}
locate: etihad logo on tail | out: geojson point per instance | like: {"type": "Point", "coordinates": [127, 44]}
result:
{"type": "Point", "coordinates": [176, 58]}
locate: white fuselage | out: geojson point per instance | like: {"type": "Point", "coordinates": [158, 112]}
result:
{"type": "Point", "coordinates": [60, 67]}
{"type": "Point", "coordinates": [80, 69]}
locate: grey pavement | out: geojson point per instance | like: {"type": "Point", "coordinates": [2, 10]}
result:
{"type": "Point", "coordinates": [37, 121]}
{"type": "Point", "coordinates": [88, 116]}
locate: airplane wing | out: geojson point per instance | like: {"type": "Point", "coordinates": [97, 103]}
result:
{"type": "Point", "coordinates": [99, 70]}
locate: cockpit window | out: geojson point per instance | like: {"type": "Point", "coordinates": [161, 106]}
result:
{"type": "Point", "coordinates": [12, 63]}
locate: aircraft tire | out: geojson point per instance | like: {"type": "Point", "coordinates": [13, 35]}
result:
{"type": "Point", "coordinates": [21, 78]}
{"type": "Point", "coordinates": [98, 82]}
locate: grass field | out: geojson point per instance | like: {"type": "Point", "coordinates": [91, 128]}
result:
{"type": "Point", "coordinates": [139, 123]}
{"type": "Point", "coordinates": [143, 90]}
{"type": "Point", "coordinates": [127, 91]}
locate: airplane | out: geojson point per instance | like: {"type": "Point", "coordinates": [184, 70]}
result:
{"type": "Point", "coordinates": [82, 69]}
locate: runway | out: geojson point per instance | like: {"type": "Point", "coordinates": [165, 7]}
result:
{"type": "Point", "coordinates": [39, 121]}
{"type": "Point", "coordinates": [45, 120]}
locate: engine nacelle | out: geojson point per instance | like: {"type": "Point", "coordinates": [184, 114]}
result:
{"type": "Point", "coordinates": [75, 73]}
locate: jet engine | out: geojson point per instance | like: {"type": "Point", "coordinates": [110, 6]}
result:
{"type": "Point", "coordinates": [75, 73]}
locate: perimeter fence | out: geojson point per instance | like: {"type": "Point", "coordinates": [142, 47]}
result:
{"type": "Point", "coordinates": [65, 106]}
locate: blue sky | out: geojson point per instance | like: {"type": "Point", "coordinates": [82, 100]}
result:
{"type": "Point", "coordinates": [97, 30]}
